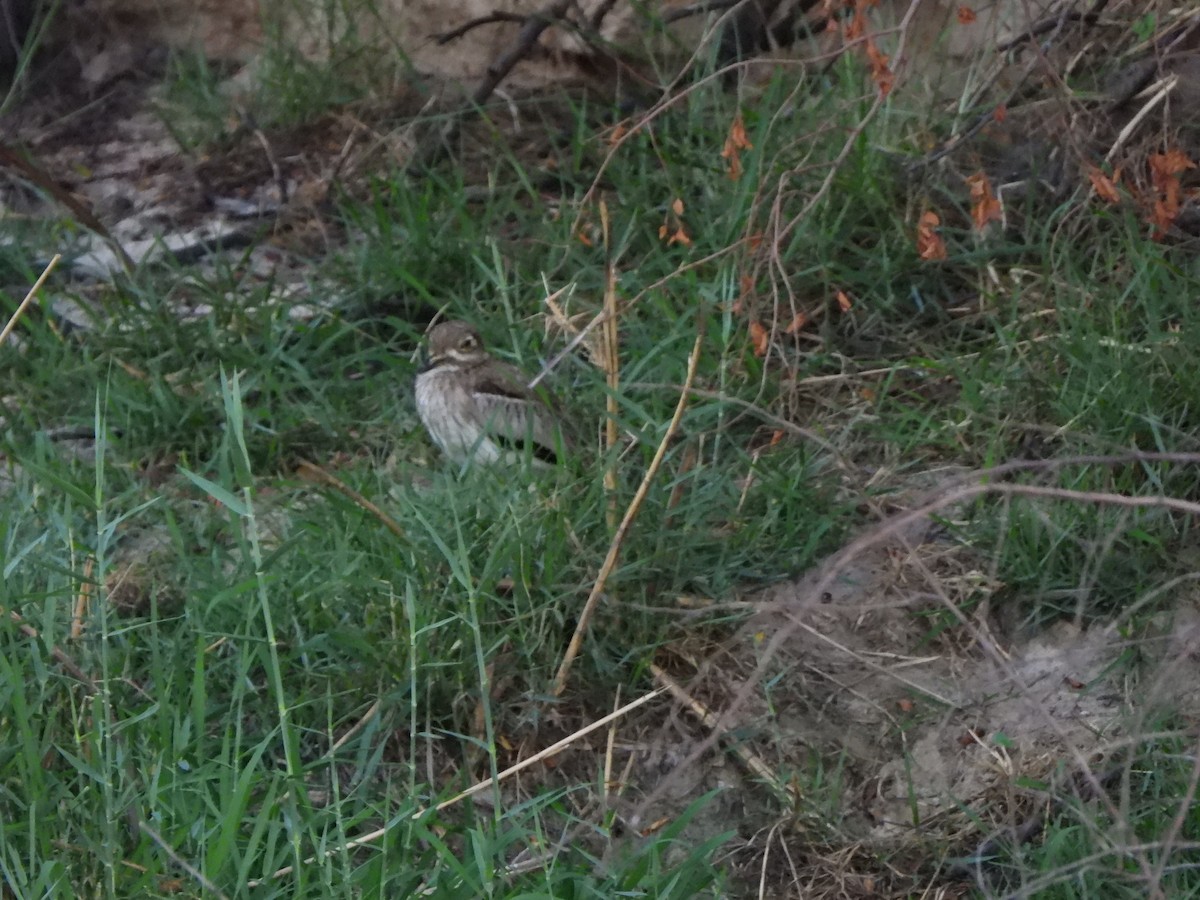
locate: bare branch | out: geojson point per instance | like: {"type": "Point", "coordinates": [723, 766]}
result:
{"type": "Point", "coordinates": [471, 24]}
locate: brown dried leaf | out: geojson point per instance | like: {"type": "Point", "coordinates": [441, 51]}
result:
{"type": "Point", "coordinates": [680, 237]}
{"type": "Point", "coordinates": [984, 205]}
{"type": "Point", "coordinates": [1164, 175]}
{"type": "Point", "coordinates": [760, 337]}
{"type": "Point", "coordinates": [930, 245]}
{"type": "Point", "coordinates": [881, 73]}
{"type": "Point", "coordinates": [735, 142]}
{"type": "Point", "coordinates": [1105, 187]}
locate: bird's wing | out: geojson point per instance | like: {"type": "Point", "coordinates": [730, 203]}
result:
{"type": "Point", "coordinates": [514, 415]}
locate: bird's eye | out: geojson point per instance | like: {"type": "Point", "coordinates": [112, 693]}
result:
{"type": "Point", "coordinates": [468, 343]}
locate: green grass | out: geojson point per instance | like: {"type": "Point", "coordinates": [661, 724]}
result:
{"type": "Point", "coordinates": [287, 674]}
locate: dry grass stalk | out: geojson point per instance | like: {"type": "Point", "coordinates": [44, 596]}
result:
{"type": "Point", "coordinates": [612, 370]}
{"type": "Point", "coordinates": [316, 472]}
{"type": "Point", "coordinates": [785, 793]}
{"type": "Point", "coordinates": [82, 599]}
{"type": "Point", "coordinates": [37, 286]}
{"type": "Point", "coordinates": [614, 548]}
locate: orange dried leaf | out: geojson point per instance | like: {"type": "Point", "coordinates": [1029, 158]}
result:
{"type": "Point", "coordinates": [1170, 163]}
{"type": "Point", "coordinates": [843, 302]}
{"type": "Point", "coordinates": [1105, 187]}
{"type": "Point", "coordinates": [1164, 176]}
{"type": "Point", "coordinates": [734, 172]}
{"type": "Point", "coordinates": [583, 238]}
{"type": "Point", "coordinates": [984, 205]}
{"type": "Point", "coordinates": [759, 337]}
{"type": "Point", "coordinates": [737, 134]}
{"type": "Point", "coordinates": [966, 15]}
{"type": "Point", "coordinates": [680, 237]}
{"type": "Point", "coordinates": [798, 321]}
{"type": "Point", "coordinates": [662, 231]}
{"type": "Point", "coordinates": [618, 132]}
{"type": "Point", "coordinates": [855, 28]}
{"type": "Point", "coordinates": [930, 245]}
{"type": "Point", "coordinates": [1000, 113]}
{"type": "Point", "coordinates": [776, 437]}
{"type": "Point", "coordinates": [906, 705]}
{"type": "Point", "coordinates": [735, 142]}
{"type": "Point", "coordinates": [677, 207]}
{"type": "Point", "coordinates": [655, 826]}
{"type": "Point", "coordinates": [881, 74]}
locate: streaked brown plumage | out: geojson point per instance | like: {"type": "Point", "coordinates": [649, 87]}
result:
{"type": "Point", "coordinates": [475, 406]}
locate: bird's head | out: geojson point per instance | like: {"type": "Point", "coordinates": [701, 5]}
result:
{"type": "Point", "coordinates": [456, 344]}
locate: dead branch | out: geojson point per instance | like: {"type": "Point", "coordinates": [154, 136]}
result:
{"type": "Point", "coordinates": [531, 29]}
{"type": "Point", "coordinates": [49, 184]}
{"type": "Point", "coordinates": [534, 25]}
{"type": "Point", "coordinates": [472, 24]}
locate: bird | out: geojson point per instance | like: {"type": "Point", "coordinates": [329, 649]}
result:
{"type": "Point", "coordinates": [477, 408]}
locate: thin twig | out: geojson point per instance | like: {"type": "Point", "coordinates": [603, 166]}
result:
{"type": "Point", "coordinates": [37, 286]}
{"type": "Point", "coordinates": [355, 728]}
{"type": "Point", "coordinates": [785, 793]}
{"type": "Point", "coordinates": [337, 484]}
{"type": "Point", "coordinates": [180, 861]}
{"type": "Point", "coordinates": [614, 548]}
{"type": "Point", "coordinates": [608, 753]}
{"type": "Point", "coordinates": [276, 172]}
{"type": "Point", "coordinates": [612, 369]}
